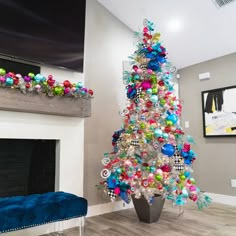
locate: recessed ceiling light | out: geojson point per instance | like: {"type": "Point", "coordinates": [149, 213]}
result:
{"type": "Point", "coordinates": [174, 25]}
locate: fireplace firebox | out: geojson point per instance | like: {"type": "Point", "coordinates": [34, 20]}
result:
{"type": "Point", "coordinates": [27, 166]}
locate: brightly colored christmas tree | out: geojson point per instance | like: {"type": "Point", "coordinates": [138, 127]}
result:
{"type": "Point", "coordinates": [151, 154]}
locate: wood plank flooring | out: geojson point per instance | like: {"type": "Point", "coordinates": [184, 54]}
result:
{"type": "Point", "coordinates": [217, 220]}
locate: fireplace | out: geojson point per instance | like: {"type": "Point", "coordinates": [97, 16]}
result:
{"type": "Point", "coordinates": [27, 166]}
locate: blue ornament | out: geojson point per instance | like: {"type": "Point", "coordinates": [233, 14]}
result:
{"type": "Point", "coordinates": [173, 118]}
{"type": "Point", "coordinates": [124, 196]}
{"type": "Point", "coordinates": [154, 65]}
{"type": "Point", "coordinates": [154, 98]}
{"type": "Point", "coordinates": [157, 133]}
{"type": "Point", "coordinates": [187, 174]}
{"type": "Point", "coordinates": [168, 149]}
{"type": "Point", "coordinates": [9, 81]}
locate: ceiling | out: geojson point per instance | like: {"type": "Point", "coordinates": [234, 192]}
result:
{"type": "Point", "coordinates": [192, 30]}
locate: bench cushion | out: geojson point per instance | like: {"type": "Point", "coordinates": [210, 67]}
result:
{"type": "Point", "coordinates": [27, 211]}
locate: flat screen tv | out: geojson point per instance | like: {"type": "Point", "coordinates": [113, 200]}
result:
{"type": "Point", "coordinates": [45, 32]}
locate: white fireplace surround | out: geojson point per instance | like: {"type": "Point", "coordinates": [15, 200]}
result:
{"type": "Point", "coordinates": [69, 155]}
{"type": "Point", "coordinates": [70, 151]}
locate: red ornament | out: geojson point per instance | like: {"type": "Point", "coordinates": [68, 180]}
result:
{"type": "Point", "coordinates": [90, 91]}
{"type": "Point", "coordinates": [161, 83]}
{"type": "Point", "coordinates": [138, 173]}
{"type": "Point", "coordinates": [51, 82]}
{"type": "Point", "coordinates": [145, 183]}
{"type": "Point", "coordinates": [151, 121]}
{"type": "Point", "coordinates": [161, 139]}
{"type": "Point", "coordinates": [67, 84]}
{"type": "Point", "coordinates": [27, 86]}
{"type": "Point", "coordinates": [167, 129]}
{"type": "Point", "coordinates": [160, 187]}
{"type": "Point", "coordinates": [16, 81]}
{"type": "Point", "coordinates": [149, 104]}
{"type": "Point", "coordinates": [166, 168]}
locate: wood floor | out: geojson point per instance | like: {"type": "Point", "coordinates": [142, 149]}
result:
{"type": "Point", "coordinates": [217, 220]}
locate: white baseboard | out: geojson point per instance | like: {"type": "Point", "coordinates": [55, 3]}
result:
{"type": "Point", "coordinates": [118, 205]}
{"type": "Point", "coordinates": [224, 199]}
{"type": "Point", "coordinates": [107, 208]}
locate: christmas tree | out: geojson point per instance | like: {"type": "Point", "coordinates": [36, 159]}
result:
{"type": "Point", "coordinates": [151, 154]}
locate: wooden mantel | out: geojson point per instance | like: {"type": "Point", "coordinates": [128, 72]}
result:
{"type": "Point", "coordinates": [15, 100]}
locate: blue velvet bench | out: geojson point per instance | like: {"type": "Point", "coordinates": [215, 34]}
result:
{"type": "Point", "coordinates": [22, 212]}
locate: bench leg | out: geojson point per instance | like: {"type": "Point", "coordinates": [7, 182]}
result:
{"type": "Point", "coordinates": [81, 223]}
{"type": "Point", "coordinates": [59, 227]}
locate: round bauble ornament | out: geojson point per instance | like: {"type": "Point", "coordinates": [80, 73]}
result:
{"type": "Point", "coordinates": [172, 117]}
{"type": "Point", "coordinates": [31, 75]}
{"type": "Point", "coordinates": [2, 71]}
{"type": "Point", "coordinates": [157, 132]}
{"type": "Point", "coordinates": [9, 81]}
{"type": "Point", "coordinates": [154, 98]}
{"type": "Point", "coordinates": [90, 92]}
{"type": "Point", "coordinates": [168, 149]}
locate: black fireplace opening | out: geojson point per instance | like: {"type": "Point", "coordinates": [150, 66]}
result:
{"type": "Point", "coordinates": [27, 166]}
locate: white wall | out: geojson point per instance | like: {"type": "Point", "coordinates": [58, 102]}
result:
{"type": "Point", "coordinates": [108, 43]}
{"type": "Point", "coordinates": [70, 132]}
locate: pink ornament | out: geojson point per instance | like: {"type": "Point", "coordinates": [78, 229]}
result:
{"type": "Point", "coordinates": [116, 191]}
{"type": "Point", "coordinates": [38, 86]}
{"type": "Point", "coordinates": [192, 188]}
{"type": "Point", "coordinates": [50, 77]}
{"type": "Point", "coordinates": [66, 90]}
{"type": "Point", "coordinates": [73, 89]}
{"type": "Point", "coordinates": [135, 68]}
{"type": "Point", "coordinates": [19, 76]}
{"type": "Point", "coordinates": [149, 71]}
{"type": "Point", "coordinates": [2, 79]}
{"type": "Point", "coordinates": [159, 171]}
{"type": "Point", "coordinates": [146, 85]}
{"type": "Point", "coordinates": [145, 29]}
{"type": "Point", "coordinates": [139, 71]}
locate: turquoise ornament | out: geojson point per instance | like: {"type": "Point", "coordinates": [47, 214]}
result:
{"type": "Point", "coordinates": [149, 91]}
{"type": "Point", "coordinates": [38, 78]}
{"type": "Point", "coordinates": [80, 85]}
{"type": "Point", "coordinates": [158, 133]}
{"type": "Point", "coordinates": [152, 169]}
{"type": "Point", "coordinates": [118, 171]}
{"type": "Point", "coordinates": [165, 135]}
{"type": "Point", "coordinates": [154, 98]}
{"type": "Point", "coordinates": [9, 81]}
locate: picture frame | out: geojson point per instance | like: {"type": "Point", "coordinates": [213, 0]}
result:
{"type": "Point", "coordinates": [219, 112]}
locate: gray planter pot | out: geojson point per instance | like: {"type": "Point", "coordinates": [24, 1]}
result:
{"type": "Point", "coordinates": [148, 213]}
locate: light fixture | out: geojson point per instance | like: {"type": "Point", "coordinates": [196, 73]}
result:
{"type": "Point", "coordinates": [174, 25]}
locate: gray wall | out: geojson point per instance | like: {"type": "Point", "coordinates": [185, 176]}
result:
{"type": "Point", "coordinates": [107, 43]}
{"type": "Point", "coordinates": [216, 162]}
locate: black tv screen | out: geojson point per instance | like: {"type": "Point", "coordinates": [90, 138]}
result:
{"type": "Point", "coordinates": [46, 32]}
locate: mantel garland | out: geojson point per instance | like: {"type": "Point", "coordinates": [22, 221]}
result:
{"type": "Point", "coordinates": [38, 83]}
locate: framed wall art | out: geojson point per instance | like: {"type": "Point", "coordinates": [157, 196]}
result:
{"type": "Point", "coordinates": [219, 112]}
